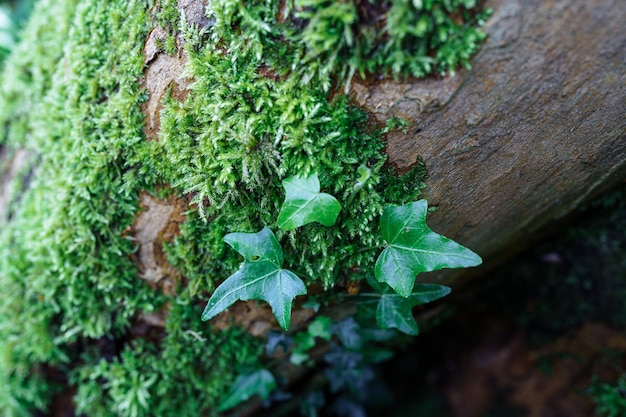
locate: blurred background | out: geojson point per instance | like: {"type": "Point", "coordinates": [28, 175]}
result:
{"type": "Point", "coordinates": [13, 14]}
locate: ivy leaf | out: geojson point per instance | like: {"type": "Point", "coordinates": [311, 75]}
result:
{"type": "Point", "coordinates": [395, 311]}
{"type": "Point", "coordinates": [414, 248]}
{"type": "Point", "coordinates": [320, 327]}
{"type": "Point", "coordinates": [304, 203]}
{"type": "Point", "coordinates": [260, 277]}
{"type": "Point", "coordinates": [260, 382]}
{"type": "Point", "coordinates": [276, 339]}
{"type": "Point", "coordinates": [347, 330]}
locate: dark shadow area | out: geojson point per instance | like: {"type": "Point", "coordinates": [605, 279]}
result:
{"type": "Point", "coordinates": [528, 340]}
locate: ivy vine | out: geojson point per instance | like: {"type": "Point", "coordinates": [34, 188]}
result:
{"type": "Point", "coordinates": [411, 248]}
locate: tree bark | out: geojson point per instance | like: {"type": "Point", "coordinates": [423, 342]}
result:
{"type": "Point", "coordinates": [532, 132]}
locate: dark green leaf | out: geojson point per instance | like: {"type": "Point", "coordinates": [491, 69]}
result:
{"type": "Point", "coordinates": [260, 383]}
{"type": "Point", "coordinates": [414, 248]}
{"type": "Point", "coordinates": [347, 331]}
{"type": "Point", "coordinates": [312, 402]}
{"type": "Point", "coordinates": [347, 370]}
{"type": "Point", "coordinates": [395, 311]}
{"type": "Point", "coordinates": [304, 203]}
{"type": "Point", "coordinates": [276, 339]}
{"type": "Point", "coordinates": [260, 277]}
{"type": "Point", "coordinates": [303, 341]}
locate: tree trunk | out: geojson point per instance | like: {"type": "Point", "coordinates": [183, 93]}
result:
{"type": "Point", "coordinates": [532, 132]}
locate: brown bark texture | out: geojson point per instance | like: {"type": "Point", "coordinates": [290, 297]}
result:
{"type": "Point", "coordinates": [533, 131]}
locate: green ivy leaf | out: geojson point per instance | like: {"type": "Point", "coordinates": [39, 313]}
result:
{"type": "Point", "coordinates": [348, 332]}
{"type": "Point", "coordinates": [414, 248]}
{"type": "Point", "coordinates": [395, 311]}
{"type": "Point", "coordinates": [260, 277]}
{"type": "Point", "coordinates": [320, 327]}
{"type": "Point", "coordinates": [260, 382]}
{"type": "Point", "coordinates": [304, 203]}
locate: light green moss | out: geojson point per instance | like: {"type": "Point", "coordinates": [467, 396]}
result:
{"type": "Point", "coordinates": [266, 103]}
{"type": "Point", "coordinates": [65, 268]}
{"type": "Point", "coordinates": [241, 131]}
{"type": "Point", "coordinates": [28, 74]}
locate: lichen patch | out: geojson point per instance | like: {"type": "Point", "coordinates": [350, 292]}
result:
{"type": "Point", "coordinates": [157, 224]}
{"type": "Point", "coordinates": [162, 73]}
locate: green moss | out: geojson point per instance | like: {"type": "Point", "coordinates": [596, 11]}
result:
{"type": "Point", "coordinates": [415, 38]}
{"type": "Point", "coordinates": [265, 104]}
{"type": "Point", "coordinates": [170, 45]}
{"type": "Point", "coordinates": [66, 271]}
{"type": "Point", "coordinates": [30, 70]}
{"type": "Point", "coordinates": [609, 399]}
{"type": "Point", "coordinates": [189, 370]}
{"type": "Point", "coordinates": [254, 117]}
{"type": "Point", "coordinates": [166, 15]}
{"type": "Point", "coordinates": [242, 190]}
{"type": "Point", "coordinates": [330, 42]}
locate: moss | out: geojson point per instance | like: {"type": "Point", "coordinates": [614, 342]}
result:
{"type": "Point", "coordinates": [166, 15]}
{"type": "Point", "coordinates": [416, 37]}
{"type": "Point", "coordinates": [265, 104]}
{"type": "Point", "coordinates": [241, 131]}
{"type": "Point", "coordinates": [609, 399]}
{"type": "Point", "coordinates": [66, 270]}
{"type": "Point", "coordinates": [189, 370]}
{"type": "Point", "coordinates": [30, 71]}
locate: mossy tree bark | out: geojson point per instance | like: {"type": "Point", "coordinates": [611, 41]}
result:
{"type": "Point", "coordinates": [532, 132]}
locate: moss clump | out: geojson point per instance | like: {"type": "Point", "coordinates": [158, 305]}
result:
{"type": "Point", "coordinates": [265, 104]}
{"type": "Point", "coordinates": [326, 42]}
{"type": "Point", "coordinates": [186, 371]}
{"type": "Point", "coordinates": [414, 38]}
{"type": "Point", "coordinates": [67, 276]}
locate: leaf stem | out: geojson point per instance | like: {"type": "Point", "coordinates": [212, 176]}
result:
{"type": "Point", "coordinates": [368, 248]}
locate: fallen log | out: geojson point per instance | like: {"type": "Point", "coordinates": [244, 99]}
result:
{"type": "Point", "coordinates": [531, 133]}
